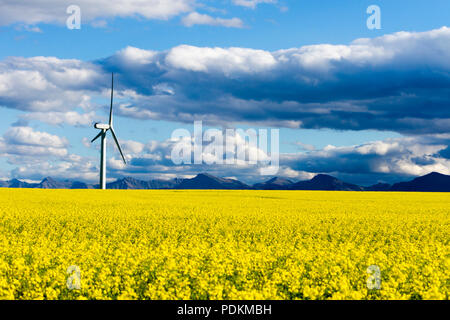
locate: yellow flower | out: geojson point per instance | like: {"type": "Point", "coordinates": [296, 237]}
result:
{"type": "Point", "coordinates": [167, 244]}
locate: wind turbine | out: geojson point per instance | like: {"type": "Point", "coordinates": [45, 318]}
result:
{"type": "Point", "coordinates": [104, 128]}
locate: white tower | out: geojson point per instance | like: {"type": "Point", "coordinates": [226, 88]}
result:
{"type": "Point", "coordinates": [104, 128]}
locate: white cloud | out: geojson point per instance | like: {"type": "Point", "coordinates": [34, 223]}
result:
{"type": "Point", "coordinates": [135, 112]}
{"type": "Point", "coordinates": [154, 158]}
{"type": "Point", "coordinates": [132, 56]}
{"type": "Point", "coordinates": [58, 118]}
{"type": "Point", "coordinates": [334, 86]}
{"type": "Point", "coordinates": [31, 151]}
{"type": "Point", "coordinates": [226, 61]}
{"type": "Point", "coordinates": [115, 164]}
{"type": "Point", "coordinates": [54, 11]}
{"type": "Point", "coordinates": [380, 83]}
{"type": "Point", "coordinates": [163, 88]}
{"type": "Point", "coordinates": [305, 146]}
{"type": "Point", "coordinates": [130, 146]}
{"type": "Point", "coordinates": [39, 154]}
{"type": "Point", "coordinates": [99, 24]}
{"type": "Point", "coordinates": [86, 142]}
{"type": "Point", "coordinates": [48, 83]}
{"type": "Point", "coordinates": [195, 18]}
{"type": "Point", "coordinates": [407, 156]}
{"type": "Point", "coordinates": [28, 136]}
{"type": "Point", "coordinates": [252, 3]}
{"type": "Point", "coordinates": [26, 142]}
{"type": "Point", "coordinates": [318, 86]}
{"type": "Point", "coordinates": [72, 168]}
{"type": "Point", "coordinates": [28, 28]}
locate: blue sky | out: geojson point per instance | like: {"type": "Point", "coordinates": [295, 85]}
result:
{"type": "Point", "coordinates": [377, 96]}
{"type": "Point", "coordinates": [267, 27]}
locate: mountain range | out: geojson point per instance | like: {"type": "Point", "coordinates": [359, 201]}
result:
{"type": "Point", "coordinates": [432, 182]}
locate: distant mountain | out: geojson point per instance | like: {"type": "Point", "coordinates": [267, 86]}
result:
{"type": "Point", "coordinates": [434, 182]}
{"type": "Point", "coordinates": [80, 185]}
{"type": "Point", "coordinates": [127, 183]}
{"type": "Point", "coordinates": [164, 184]}
{"type": "Point", "coordinates": [325, 182]}
{"type": "Point", "coordinates": [131, 183]}
{"type": "Point", "coordinates": [50, 183]}
{"type": "Point", "coordinates": [14, 183]}
{"type": "Point", "coordinates": [274, 184]}
{"type": "Point", "coordinates": [207, 181]}
{"type": "Point", "coordinates": [378, 187]}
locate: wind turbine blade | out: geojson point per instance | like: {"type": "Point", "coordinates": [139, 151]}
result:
{"type": "Point", "coordinates": [96, 137]}
{"type": "Point", "coordinates": [117, 143]}
{"type": "Point", "coordinates": [112, 92]}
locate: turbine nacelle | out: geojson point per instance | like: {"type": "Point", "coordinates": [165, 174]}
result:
{"type": "Point", "coordinates": [102, 126]}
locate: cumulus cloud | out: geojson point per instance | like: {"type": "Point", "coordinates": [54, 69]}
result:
{"type": "Point", "coordinates": [154, 160]}
{"type": "Point", "coordinates": [304, 146]}
{"type": "Point", "coordinates": [72, 167]}
{"type": "Point", "coordinates": [252, 3]}
{"type": "Point", "coordinates": [26, 142]}
{"type": "Point", "coordinates": [38, 154]}
{"type": "Point", "coordinates": [133, 147]}
{"type": "Point", "coordinates": [48, 83]}
{"type": "Point", "coordinates": [227, 62]}
{"type": "Point", "coordinates": [54, 11]}
{"type": "Point", "coordinates": [397, 82]}
{"type": "Point", "coordinates": [385, 160]}
{"type": "Point", "coordinates": [389, 160]}
{"type": "Point", "coordinates": [71, 118]}
{"type": "Point", "coordinates": [195, 18]}
{"type": "Point", "coordinates": [27, 136]}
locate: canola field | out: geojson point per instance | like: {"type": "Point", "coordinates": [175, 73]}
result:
{"type": "Point", "coordinates": [174, 244]}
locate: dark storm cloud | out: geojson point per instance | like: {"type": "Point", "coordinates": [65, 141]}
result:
{"type": "Point", "coordinates": [398, 82]}
{"type": "Point", "coordinates": [445, 153]}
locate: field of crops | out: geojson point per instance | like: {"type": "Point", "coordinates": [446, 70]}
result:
{"type": "Point", "coordinates": [157, 244]}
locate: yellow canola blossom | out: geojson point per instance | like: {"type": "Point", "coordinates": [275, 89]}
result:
{"type": "Point", "coordinates": [174, 244]}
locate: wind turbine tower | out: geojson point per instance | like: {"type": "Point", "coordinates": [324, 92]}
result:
{"type": "Point", "coordinates": [104, 128]}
